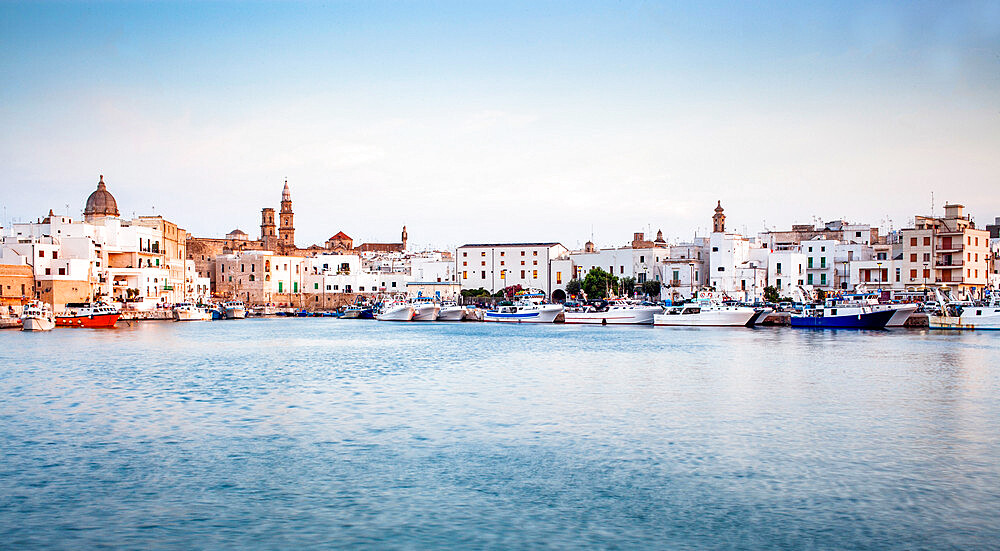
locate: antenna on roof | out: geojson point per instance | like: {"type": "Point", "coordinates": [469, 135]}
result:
{"type": "Point", "coordinates": [932, 204]}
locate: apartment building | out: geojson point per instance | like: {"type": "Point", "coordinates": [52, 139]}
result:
{"type": "Point", "coordinates": [948, 252]}
{"type": "Point", "coordinates": [495, 266]}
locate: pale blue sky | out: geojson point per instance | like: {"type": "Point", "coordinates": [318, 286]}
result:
{"type": "Point", "coordinates": [509, 121]}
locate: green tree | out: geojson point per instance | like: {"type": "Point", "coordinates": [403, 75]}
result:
{"type": "Point", "coordinates": [573, 287]}
{"type": "Point", "coordinates": [627, 286]}
{"type": "Point", "coordinates": [480, 292]}
{"type": "Point", "coordinates": [651, 288]}
{"type": "Point", "coordinates": [770, 294]}
{"type": "Point", "coordinates": [598, 283]}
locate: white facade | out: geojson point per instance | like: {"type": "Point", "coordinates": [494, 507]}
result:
{"type": "Point", "coordinates": [260, 276]}
{"type": "Point", "coordinates": [786, 269]}
{"type": "Point", "coordinates": [640, 264]}
{"type": "Point", "coordinates": [496, 266]}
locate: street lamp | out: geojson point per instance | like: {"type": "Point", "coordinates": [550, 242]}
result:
{"type": "Point", "coordinates": [925, 281]}
{"type": "Point", "coordinates": [691, 278]}
{"type": "Point", "coordinates": [879, 281]}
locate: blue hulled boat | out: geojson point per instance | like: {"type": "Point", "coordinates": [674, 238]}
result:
{"type": "Point", "coordinates": [842, 318]}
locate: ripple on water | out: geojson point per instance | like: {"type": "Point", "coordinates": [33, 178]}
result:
{"type": "Point", "coordinates": [322, 432]}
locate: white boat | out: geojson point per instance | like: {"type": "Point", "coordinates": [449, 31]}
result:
{"type": "Point", "coordinates": [706, 311]}
{"type": "Point", "coordinates": [424, 309]}
{"type": "Point", "coordinates": [234, 309]}
{"type": "Point", "coordinates": [615, 312]}
{"type": "Point", "coordinates": [185, 311]}
{"type": "Point", "coordinates": [37, 316]}
{"type": "Point", "coordinates": [394, 310]}
{"type": "Point", "coordinates": [451, 311]}
{"type": "Point", "coordinates": [954, 316]}
{"type": "Point", "coordinates": [529, 307]}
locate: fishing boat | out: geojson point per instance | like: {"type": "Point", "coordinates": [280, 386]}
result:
{"type": "Point", "coordinates": [394, 310]}
{"type": "Point", "coordinates": [528, 307]}
{"type": "Point", "coordinates": [966, 317]}
{"type": "Point", "coordinates": [707, 310]}
{"type": "Point", "coordinates": [37, 316]}
{"type": "Point", "coordinates": [451, 311]}
{"type": "Point", "coordinates": [186, 311]}
{"type": "Point", "coordinates": [834, 316]}
{"type": "Point", "coordinates": [613, 312]}
{"type": "Point", "coordinates": [424, 308]}
{"type": "Point", "coordinates": [901, 311]}
{"type": "Point", "coordinates": [85, 314]}
{"type": "Point", "coordinates": [234, 309]}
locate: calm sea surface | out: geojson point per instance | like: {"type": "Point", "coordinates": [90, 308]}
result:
{"type": "Point", "coordinates": [292, 433]}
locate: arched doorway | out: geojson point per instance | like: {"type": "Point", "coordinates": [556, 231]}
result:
{"type": "Point", "coordinates": [558, 295]}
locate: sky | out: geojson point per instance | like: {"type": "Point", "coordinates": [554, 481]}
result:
{"type": "Point", "coordinates": [506, 121]}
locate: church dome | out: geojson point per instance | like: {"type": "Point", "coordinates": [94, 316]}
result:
{"type": "Point", "coordinates": [101, 202]}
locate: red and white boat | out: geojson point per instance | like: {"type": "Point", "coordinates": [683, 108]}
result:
{"type": "Point", "coordinates": [85, 314]}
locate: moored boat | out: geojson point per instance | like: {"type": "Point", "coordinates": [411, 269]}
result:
{"type": "Point", "coordinates": [185, 311]}
{"type": "Point", "coordinates": [234, 309]}
{"type": "Point", "coordinates": [424, 309]}
{"type": "Point", "coordinates": [529, 307]}
{"type": "Point", "coordinates": [615, 312]}
{"type": "Point", "coordinates": [85, 314]}
{"type": "Point", "coordinates": [451, 311]}
{"type": "Point", "coordinates": [838, 317]}
{"type": "Point", "coordinates": [37, 316]}
{"type": "Point", "coordinates": [706, 311]}
{"type": "Point", "coordinates": [971, 317]}
{"type": "Point", "coordinates": [394, 310]}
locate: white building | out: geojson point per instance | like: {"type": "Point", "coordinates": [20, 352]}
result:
{"type": "Point", "coordinates": [786, 269]}
{"type": "Point", "coordinates": [259, 277]}
{"type": "Point", "coordinates": [495, 266]}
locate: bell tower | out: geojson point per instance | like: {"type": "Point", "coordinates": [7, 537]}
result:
{"type": "Point", "coordinates": [267, 234]}
{"type": "Point", "coordinates": [286, 225]}
{"type": "Point", "coordinates": [719, 219]}
{"type": "Point", "coordinates": [404, 236]}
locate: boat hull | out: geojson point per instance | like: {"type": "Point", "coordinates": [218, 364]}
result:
{"type": "Point", "coordinates": [100, 321]}
{"type": "Point", "coordinates": [540, 315]}
{"type": "Point", "coordinates": [965, 323]}
{"type": "Point", "coordinates": [425, 312]}
{"type": "Point", "coordinates": [634, 316]}
{"type": "Point", "coordinates": [37, 324]}
{"type": "Point", "coordinates": [190, 315]}
{"type": "Point", "coordinates": [901, 313]}
{"type": "Point", "coordinates": [236, 313]}
{"type": "Point", "coordinates": [451, 313]}
{"type": "Point", "coordinates": [870, 320]}
{"type": "Point", "coordinates": [737, 317]}
{"type": "Point", "coordinates": [400, 313]}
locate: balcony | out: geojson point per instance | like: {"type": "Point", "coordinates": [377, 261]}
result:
{"type": "Point", "coordinates": [674, 283]}
{"type": "Point", "coordinates": [948, 264]}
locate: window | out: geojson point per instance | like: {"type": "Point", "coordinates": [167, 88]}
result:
{"type": "Point", "coordinates": [482, 253]}
{"type": "Point", "coordinates": [810, 279]}
{"type": "Point", "coordinates": [48, 271]}
{"type": "Point", "coordinates": [621, 269]}
{"type": "Point", "coordinates": [897, 274]}
{"type": "Point", "coordinates": [534, 274]}
{"type": "Point", "coordinates": [55, 254]}
{"type": "Point", "coordinates": [927, 274]}
{"type": "Point", "coordinates": [522, 253]}
{"type": "Point", "coordinates": [522, 263]}
{"type": "Point", "coordinates": [822, 249]}
{"type": "Point", "coordinates": [501, 262]}
{"type": "Point", "coordinates": [465, 275]}
{"type": "Point", "coordinates": [822, 279]}
{"type": "Point", "coordinates": [393, 284]}
{"type": "Point", "coordinates": [716, 249]}
{"type": "Point", "coordinates": [927, 241]}
{"type": "Point", "coordinates": [464, 253]}
{"type": "Point", "coordinates": [315, 285]}
{"type": "Point", "coordinates": [62, 271]}
{"type": "Point", "coordinates": [464, 263]}
{"type": "Point", "coordinates": [810, 261]}
{"type": "Point", "coordinates": [722, 268]}
{"type": "Point", "coordinates": [558, 278]}
{"type": "Point", "coordinates": [642, 258]}
{"type": "Point", "coordinates": [913, 274]}
{"type": "Point", "coordinates": [534, 253]}
{"type": "Point", "coordinates": [913, 257]}
{"type": "Point", "coordinates": [779, 268]}
{"type": "Point", "coordinates": [810, 249]}
{"type": "Point", "coordinates": [41, 254]}
{"type": "Point", "coordinates": [484, 275]}
{"type": "Point", "coordinates": [913, 241]}
{"type": "Point", "coordinates": [857, 234]}
{"type": "Point", "coordinates": [251, 277]}
{"type": "Point", "coordinates": [502, 253]}
{"type": "Point", "coordinates": [522, 274]}
{"type": "Point", "coordinates": [484, 263]}
{"type": "Point", "coordinates": [822, 262]}
{"type": "Point", "coordinates": [534, 262]}
{"type": "Point", "coordinates": [927, 257]}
